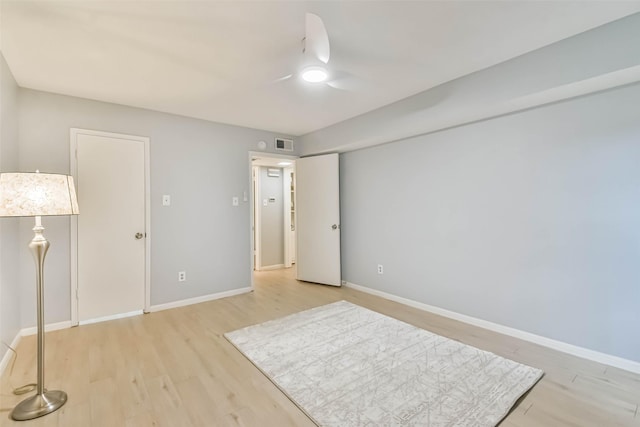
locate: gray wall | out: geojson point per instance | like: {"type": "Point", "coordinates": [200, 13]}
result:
{"type": "Point", "coordinates": [9, 238]}
{"type": "Point", "coordinates": [202, 165]}
{"type": "Point", "coordinates": [271, 219]}
{"type": "Point", "coordinates": [529, 220]}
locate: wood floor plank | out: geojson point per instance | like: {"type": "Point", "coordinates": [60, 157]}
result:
{"type": "Point", "coordinates": [106, 403]}
{"type": "Point", "coordinates": [175, 368]}
{"type": "Point", "coordinates": [78, 414]}
{"type": "Point", "coordinates": [144, 419]}
{"type": "Point", "coordinates": [167, 405]}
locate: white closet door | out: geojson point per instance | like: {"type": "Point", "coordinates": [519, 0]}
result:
{"type": "Point", "coordinates": [111, 226]}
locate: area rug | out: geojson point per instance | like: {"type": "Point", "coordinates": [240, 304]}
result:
{"type": "Point", "coordinates": [345, 365]}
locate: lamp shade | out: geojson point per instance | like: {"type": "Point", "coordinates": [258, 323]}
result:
{"type": "Point", "coordinates": [37, 194]}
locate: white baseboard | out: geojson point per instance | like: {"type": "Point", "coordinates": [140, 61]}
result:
{"type": "Point", "coordinates": [197, 300]}
{"type": "Point", "coordinates": [112, 317]}
{"type": "Point", "coordinates": [6, 358]}
{"type": "Point", "coordinates": [47, 328]}
{"type": "Point", "coordinates": [585, 353]}
{"type": "Point", "coordinates": [271, 267]}
{"type": "Point", "coordinates": [8, 354]}
{"type": "Point", "coordinates": [26, 332]}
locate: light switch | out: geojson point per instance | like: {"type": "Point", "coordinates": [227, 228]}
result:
{"type": "Point", "coordinates": [245, 197]}
{"type": "Point", "coordinates": [235, 201]}
{"type": "Point", "coordinates": [166, 200]}
{"type": "Point", "coordinates": [265, 202]}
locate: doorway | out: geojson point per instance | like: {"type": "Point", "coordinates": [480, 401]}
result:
{"type": "Point", "coordinates": [110, 241]}
{"type": "Point", "coordinates": [273, 215]}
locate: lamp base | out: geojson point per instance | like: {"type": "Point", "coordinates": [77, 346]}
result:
{"type": "Point", "coordinates": [39, 405]}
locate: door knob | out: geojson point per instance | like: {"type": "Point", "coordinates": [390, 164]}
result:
{"type": "Point", "coordinates": [334, 227]}
{"type": "Point", "coordinates": [139, 236]}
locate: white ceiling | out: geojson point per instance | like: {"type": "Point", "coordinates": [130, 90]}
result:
{"type": "Point", "coordinates": [219, 61]}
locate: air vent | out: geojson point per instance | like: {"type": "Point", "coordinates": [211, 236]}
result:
{"type": "Point", "coordinates": [284, 144]}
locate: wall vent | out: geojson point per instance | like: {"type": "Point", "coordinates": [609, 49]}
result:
{"type": "Point", "coordinates": [284, 144]}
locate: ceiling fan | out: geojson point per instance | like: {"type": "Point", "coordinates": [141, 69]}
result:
{"type": "Point", "coordinates": [316, 52]}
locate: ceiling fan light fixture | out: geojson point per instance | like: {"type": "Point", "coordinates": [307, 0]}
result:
{"type": "Point", "coordinates": [314, 74]}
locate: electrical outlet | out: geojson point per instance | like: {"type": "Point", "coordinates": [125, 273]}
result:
{"type": "Point", "coordinates": [182, 276]}
{"type": "Point", "coordinates": [235, 201]}
{"type": "Point", "coordinates": [166, 200]}
{"type": "Point", "coordinates": [380, 269]}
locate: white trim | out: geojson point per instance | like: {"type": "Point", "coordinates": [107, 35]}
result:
{"type": "Point", "coordinates": [147, 224]}
{"type": "Point", "coordinates": [111, 317]}
{"type": "Point", "coordinates": [585, 353]}
{"type": "Point", "coordinates": [73, 162]}
{"type": "Point", "coordinates": [197, 300]}
{"type": "Point", "coordinates": [73, 228]}
{"type": "Point", "coordinates": [272, 267]}
{"type": "Point", "coordinates": [8, 353]}
{"type": "Point", "coordinates": [252, 208]}
{"type": "Point", "coordinates": [47, 328]}
{"type": "Point", "coordinates": [257, 212]}
{"type": "Point", "coordinates": [26, 332]}
{"type": "Point", "coordinates": [286, 209]}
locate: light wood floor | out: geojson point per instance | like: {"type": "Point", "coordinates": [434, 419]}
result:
{"type": "Point", "coordinates": [174, 368]}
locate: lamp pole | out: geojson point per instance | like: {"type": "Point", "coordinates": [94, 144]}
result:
{"type": "Point", "coordinates": [44, 402]}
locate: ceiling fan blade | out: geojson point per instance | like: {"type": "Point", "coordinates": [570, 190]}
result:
{"type": "Point", "coordinates": [281, 79]}
{"type": "Point", "coordinates": [345, 81]}
{"type": "Point", "coordinates": [316, 42]}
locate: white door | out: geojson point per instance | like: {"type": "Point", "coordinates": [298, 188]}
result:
{"type": "Point", "coordinates": [111, 230]}
{"type": "Point", "coordinates": [318, 215]}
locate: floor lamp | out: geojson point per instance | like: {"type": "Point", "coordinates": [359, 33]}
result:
{"type": "Point", "coordinates": [38, 194]}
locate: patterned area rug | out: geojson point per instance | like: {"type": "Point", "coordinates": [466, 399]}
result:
{"type": "Point", "coordinates": [345, 365]}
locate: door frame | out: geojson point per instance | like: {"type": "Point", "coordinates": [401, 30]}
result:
{"type": "Point", "coordinates": [256, 211]}
{"type": "Point", "coordinates": [73, 165]}
{"type": "Point", "coordinates": [252, 201]}
{"type": "Point", "coordinates": [286, 202]}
